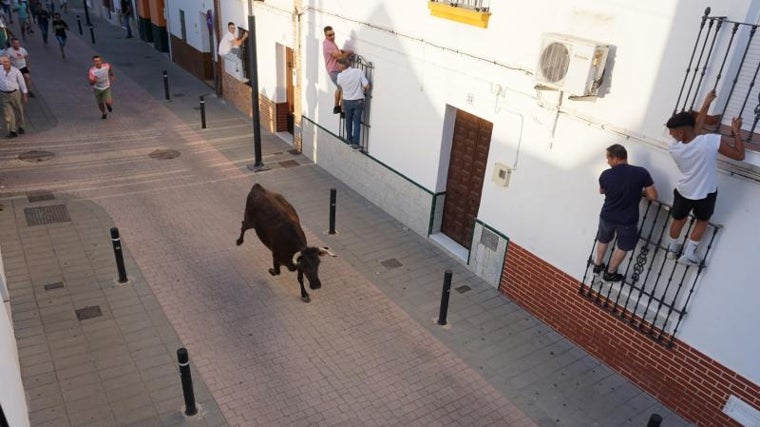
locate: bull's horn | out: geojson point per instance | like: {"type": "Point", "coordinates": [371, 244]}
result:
{"type": "Point", "coordinates": [325, 251]}
{"type": "Point", "coordinates": [296, 257]}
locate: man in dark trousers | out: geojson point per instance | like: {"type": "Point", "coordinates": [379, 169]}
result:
{"type": "Point", "coordinates": [622, 185]}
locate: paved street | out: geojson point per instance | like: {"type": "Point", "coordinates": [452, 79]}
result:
{"type": "Point", "coordinates": [365, 352]}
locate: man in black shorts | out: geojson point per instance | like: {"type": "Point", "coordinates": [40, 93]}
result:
{"type": "Point", "coordinates": [622, 186]}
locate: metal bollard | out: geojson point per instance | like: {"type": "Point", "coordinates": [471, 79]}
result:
{"type": "Point", "coordinates": [116, 240]}
{"type": "Point", "coordinates": [332, 210]}
{"type": "Point", "coordinates": [445, 297]}
{"type": "Point", "coordinates": [203, 113]}
{"type": "Point", "coordinates": [187, 382]}
{"type": "Point", "coordinates": [92, 34]}
{"type": "Point", "coordinates": [654, 421]}
{"type": "Point", "coordinates": [79, 24]}
{"type": "Point", "coordinates": [166, 85]}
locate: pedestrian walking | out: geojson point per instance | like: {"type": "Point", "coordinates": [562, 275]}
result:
{"type": "Point", "coordinates": [43, 21]}
{"type": "Point", "coordinates": [59, 30]}
{"type": "Point", "coordinates": [20, 59]}
{"type": "Point", "coordinates": [353, 83]}
{"type": "Point", "coordinates": [101, 76]}
{"type": "Point", "coordinates": [64, 6]}
{"type": "Point", "coordinates": [12, 97]}
{"type": "Point", "coordinates": [126, 13]}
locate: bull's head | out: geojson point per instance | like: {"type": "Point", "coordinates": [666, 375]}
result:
{"type": "Point", "coordinates": [306, 262]}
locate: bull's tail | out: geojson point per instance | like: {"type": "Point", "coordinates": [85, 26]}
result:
{"type": "Point", "coordinates": [243, 228]}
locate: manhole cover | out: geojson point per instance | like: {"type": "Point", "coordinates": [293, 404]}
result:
{"type": "Point", "coordinates": [391, 263]}
{"type": "Point", "coordinates": [36, 156]}
{"type": "Point", "coordinates": [46, 215]}
{"type": "Point", "coordinates": [288, 163]}
{"type": "Point", "coordinates": [462, 289]}
{"type": "Point", "coordinates": [39, 196]}
{"type": "Point", "coordinates": [51, 286]}
{"type": "Point", "coordinates": [88, 312]}
{"type": "Point", "coordinates": [164, 154]}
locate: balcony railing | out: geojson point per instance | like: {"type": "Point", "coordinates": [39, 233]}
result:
{"type": "Point", "coordinates": [470, 12]}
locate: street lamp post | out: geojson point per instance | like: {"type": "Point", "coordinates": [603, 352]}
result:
{"type": "Point", "coordinates": [258, 165]}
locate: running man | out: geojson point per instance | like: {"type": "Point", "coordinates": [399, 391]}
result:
{"type": "Point", "coordinates": [100, 77]}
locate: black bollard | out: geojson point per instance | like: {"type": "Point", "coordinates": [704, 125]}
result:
{"type": "Point", "coordinates": [187, 382]}
{"type": "Point", "coordinates": [654, 421]}
{"type": "Point", "coordinates": [332, 210]}
{"type": "Point", "coordinates": [92, 34]}
{"type": "Point", "coordinates": [445, 297]}
{"type": "Point", "coordinates": [79, 24]}
{"type": "Point", "coordinates": [203, 113]}
{"type": "Point", "coordinates": [166, 85]}
{"type": "Point", "coordinates": [116, 240]}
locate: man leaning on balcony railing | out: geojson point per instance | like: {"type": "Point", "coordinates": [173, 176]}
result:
{"type": "Point", "coordinates": [697, 189]}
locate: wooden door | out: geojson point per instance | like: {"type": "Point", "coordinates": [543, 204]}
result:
{"type": "Point", "coordinates": [289, 89]}
{"type": "Point", "coordinates": [467, 168]}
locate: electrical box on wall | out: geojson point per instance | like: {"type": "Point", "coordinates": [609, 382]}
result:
{"type": "Point", "coordinates": [501, 173]}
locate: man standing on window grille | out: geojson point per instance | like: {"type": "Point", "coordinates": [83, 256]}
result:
{"type": "Point", "coordinates": [353, 83]}
{"type": "Point", "coordinates": [231, 40]}
{"type": "Point", "coordinates": [622, 186]}
{"type": "Point", "coordinates": [696, 158]}
{"type": "Point", "coordinates": [332, 54]}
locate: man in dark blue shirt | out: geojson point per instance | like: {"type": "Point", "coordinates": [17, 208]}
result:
{"type": "Point", "coordinates": [622, 187]}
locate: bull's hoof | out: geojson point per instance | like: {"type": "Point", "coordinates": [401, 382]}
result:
{"type": "Point", "coordinates": [273, 273]}
{"type": "Point", "coordinates": [239, 242]}
{"type": "Point", "coordinates": [306, 298]}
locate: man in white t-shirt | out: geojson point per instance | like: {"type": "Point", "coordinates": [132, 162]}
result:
{"type": "Point", "coordinates": [353, 83]}
{"type": "Point", "coordinates": [696, 157]}
{"type": "Point", "coordinates": [20, 59]}
{"type": "Point", "coordinates": [231, 40]}
{"type": "Point", "coordinates": [100, 77]}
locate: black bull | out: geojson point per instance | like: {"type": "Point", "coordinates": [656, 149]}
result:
{"type": "Point", "coordinates": [279, 229]}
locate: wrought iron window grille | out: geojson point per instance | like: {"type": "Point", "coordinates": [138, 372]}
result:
{"type": "Point", "coordinates": [654, 295]}
{"type": "Point", "coordinates": [367, 68]}
{"type": "Point", "coordinates": [730, 49]}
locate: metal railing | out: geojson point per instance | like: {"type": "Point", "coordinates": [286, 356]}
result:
{"type": "Point", "coordinates": [655, 293]}
{"type": "Point", "coordinates": [724, 49]}
{"type": "Point", "coordinates": [476, 5]}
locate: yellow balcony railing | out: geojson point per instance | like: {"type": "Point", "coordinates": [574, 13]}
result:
{"type": "Point", "coordinates": [471, 12]}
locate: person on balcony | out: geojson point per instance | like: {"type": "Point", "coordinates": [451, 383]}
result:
{"type": "Point", "coordinates": [696, 157]}
{"type": "Point", "coordinates": [353, 84]}
{"type": "Point", "coordinates": [622, 185]}
{"type": "Point", "coordinates": [231, 42]}
{"type": "Point", "coordinates": [332, 54]}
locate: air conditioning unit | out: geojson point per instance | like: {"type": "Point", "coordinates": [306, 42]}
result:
{"type": "Point", "coordinates": [571, 64]}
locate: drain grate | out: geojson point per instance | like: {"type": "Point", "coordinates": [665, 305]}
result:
{"type": "Point", "coordinates": [35, 156]}
{"type": "Point", "coordinates": [89, 312]}
{"type": "Point", "coordinates": [288, 163]}
{"type": "Point", "coordinates": [164, 154]}
{"type": "Point", "coordinates": [39, 196]}
{"type": "Point", "coordinates": [391, 263]}
{"type": "Point", "coordinates": [462, 289]}
{"type": "Point", "coordinates": [46, 215]}
{"type": "Point", "coordinates": [51, 286]}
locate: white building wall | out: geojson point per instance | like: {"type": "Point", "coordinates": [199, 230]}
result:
{"type": "Point", "coordinates": [12, 397]}
{"type": "Point", "coordinates": [551, 205]}
{"type": "Point", "coordinates": [196, 29]}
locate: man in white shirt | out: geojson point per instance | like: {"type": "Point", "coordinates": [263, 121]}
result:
{"type": "Point", "coordinates": [230, 40]}
{"type": "Point", "coordinates": [20, 59]}
{"type": "Point", "coordinates": [100, 77]}
{"type": "Point", "coordinates": [353, 83]}
{"type": "Point", "coordinates": [12, 97]}
{"type": "Point", "coordinates": [696, 157]}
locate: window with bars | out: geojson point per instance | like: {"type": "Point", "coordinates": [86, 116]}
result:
{"type": "Point", "coordinates": [654, 295]}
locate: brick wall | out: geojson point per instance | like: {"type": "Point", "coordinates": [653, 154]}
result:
{"type": "Point", "coordinates": [239, 94]}
{"type": "Point", "coordinates": [682, 378]}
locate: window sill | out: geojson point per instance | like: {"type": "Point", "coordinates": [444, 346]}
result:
{"type": "Point", "coordinates": [459, 14]}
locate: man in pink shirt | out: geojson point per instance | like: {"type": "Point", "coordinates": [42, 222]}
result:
{"type": "Point", "coordinates": [332, 53]}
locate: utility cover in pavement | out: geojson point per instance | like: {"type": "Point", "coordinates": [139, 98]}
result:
{"type": "Point", "coordinates": [39, 196]}
{"type": "Point", "coordinates": [288, 163]}
{"type": "Point", "coordinates": [35, 156]}
{"type": "Point", "coordinates": [391, 263]}
{"type": "Point", "coordinates": [462, 289]}
{"type": "Point", "coordinates": [51, 286]}
{"type": "Point", "coordinates": [164, 154]}
{"type": "Point", "coordinates": [46, 215]}
{"type": "Point", "coordinates": [89, 312]}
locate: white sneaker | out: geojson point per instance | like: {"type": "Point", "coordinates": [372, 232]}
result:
{"type": "Point", "coordinates": [689, 260]}
{"type": "Point", "coordinates": [673, 251]}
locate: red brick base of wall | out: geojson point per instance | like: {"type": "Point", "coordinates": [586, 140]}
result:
{"type": "Point", "coordinates": [681, 377]}
{"type": "Point", "coordinates": [239, 94]}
